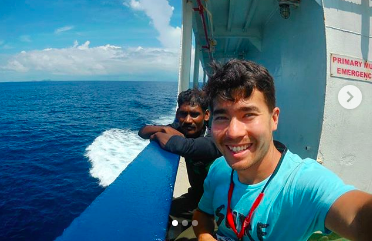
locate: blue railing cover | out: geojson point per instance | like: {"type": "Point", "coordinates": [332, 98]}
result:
{"type": "Point", "coordinates": [135, 206]}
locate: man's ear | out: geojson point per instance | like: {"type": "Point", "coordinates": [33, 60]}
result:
{"type": "Point", "coordinates": [206, 115]}
{"type": "Point", "coordinates": [275, 118]}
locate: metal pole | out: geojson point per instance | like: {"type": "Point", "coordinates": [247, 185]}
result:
{"type": "Point", "coordinates": [186, 42]}
{"type": "Point", "coordinates": [196, 66]}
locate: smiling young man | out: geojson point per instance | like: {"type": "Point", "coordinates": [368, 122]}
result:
{"type": "Point", "coordinates": [187, 137]}
{"type": "Point", "coordinates": [260, 190]}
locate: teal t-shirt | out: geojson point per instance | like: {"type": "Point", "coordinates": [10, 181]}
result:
{"type": "Point", "coordinates": [295, 203]}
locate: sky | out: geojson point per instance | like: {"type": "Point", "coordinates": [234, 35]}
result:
{"type": "Point", "coordinates": [90, 40]}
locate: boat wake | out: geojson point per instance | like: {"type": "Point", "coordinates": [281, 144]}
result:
{"type": "Point", "coordinates": [111, 152]}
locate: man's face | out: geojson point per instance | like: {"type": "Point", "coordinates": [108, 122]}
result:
{"type": "Point", "coordinates": [242, 130]}
{"type": "Point", "coordinates": [191, 119]}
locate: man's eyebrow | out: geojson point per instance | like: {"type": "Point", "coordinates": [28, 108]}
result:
{"type": "Point", "coordinates": [244, 109]}
{"type": "Point", "coordinates": [249, 109]}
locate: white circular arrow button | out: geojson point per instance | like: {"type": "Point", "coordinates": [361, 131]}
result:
{"type": "Point", "coordinates": [350, 97]}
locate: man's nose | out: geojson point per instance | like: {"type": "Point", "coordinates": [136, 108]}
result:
{"type": "Point", "coordinates": [235, 129]}
{"type": "Point", "coordinates": [188, 119]}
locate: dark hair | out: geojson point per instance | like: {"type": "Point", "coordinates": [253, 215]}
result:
{"type": "Point", "coordinates": [237, 79]}
{"type": "Point", "coordinates": [193, 97]}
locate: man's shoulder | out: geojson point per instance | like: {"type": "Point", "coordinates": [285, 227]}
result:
{"type": "Point", "coordinates": [296, 165]}
{"type": "Point", "coordinates": [174, 125]}
{"type": "Point", "coordinates": [308, 174]}
{"type": "Point", "coordinates": [220, 167]}
{"type": "Point", "coordinates": [218, 175]}
{"type": "Point", "coordinates": [295, 161]}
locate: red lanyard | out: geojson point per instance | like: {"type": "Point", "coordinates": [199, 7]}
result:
{"type": "Point", "coordinates": [248, 218]}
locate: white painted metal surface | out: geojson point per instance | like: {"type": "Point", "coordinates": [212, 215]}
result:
{"type": "Point", "coordinates": [346, 139]}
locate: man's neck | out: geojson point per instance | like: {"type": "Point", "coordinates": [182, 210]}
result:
{"type": "Point", "coordinates": [262, 169]}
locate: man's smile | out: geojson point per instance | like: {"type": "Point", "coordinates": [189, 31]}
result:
{"type": "Point", "coordinates": [239, 148]}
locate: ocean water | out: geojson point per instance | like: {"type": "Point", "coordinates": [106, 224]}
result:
{"type": "Point", "coordinates": [62, 143]}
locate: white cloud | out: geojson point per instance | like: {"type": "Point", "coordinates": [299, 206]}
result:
{"type": "Point", "coordinates": [160, 13]}
{"type": "Point", "coordinates": [134, 5]}
{"type": "Point", "coordinates": [25, 38]}
{"type": "Point", "coordinates": [16, 66]}
{"type": "Point", "coordinates": [63, 29]}
{"type": "Point", "coordinates": [85, 61]}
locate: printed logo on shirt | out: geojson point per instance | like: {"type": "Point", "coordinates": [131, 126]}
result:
{"type": "Point", "coordinates": [238, 220]}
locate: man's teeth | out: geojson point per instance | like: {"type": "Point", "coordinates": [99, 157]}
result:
{"type": "Point", "coordinates": [238, 148]}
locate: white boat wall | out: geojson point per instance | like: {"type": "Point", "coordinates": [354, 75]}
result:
{"type": "Point", "coordinates": [313, 51]}
{"type": "Point", "coordinates": [346, 139]}
{"type": "Point", "coordinates": [297, 48]}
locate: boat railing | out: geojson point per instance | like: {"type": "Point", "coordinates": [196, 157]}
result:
{"type": "Point", "coordinates": [135, 206]}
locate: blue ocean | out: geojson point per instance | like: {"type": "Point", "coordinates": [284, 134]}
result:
{"type": "Point", "coordinates": [62, 143]}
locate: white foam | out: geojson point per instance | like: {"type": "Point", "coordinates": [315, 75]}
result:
{"type": "Point", "coordinates": [111, 152]}
{"type": "Point", "coordinates": [164, 120]}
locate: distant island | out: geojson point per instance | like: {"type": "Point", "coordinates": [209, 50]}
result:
{"type": "Point", "coordinates": [43, 80]}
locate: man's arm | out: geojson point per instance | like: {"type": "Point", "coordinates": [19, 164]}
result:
{"type": "Point", "coordinates": [147, 131]}
{"type": "Point", "coordinates": [201, 147]}
{"type": "Point", "coordinates": [351, 216]}
{"type": "Point", "coordinates": [205, 228]}
{"type": "Point", "coordinates": [161, 138]}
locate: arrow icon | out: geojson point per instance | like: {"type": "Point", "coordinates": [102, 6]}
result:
{"type": "Point", "coordinates": [351, 96]}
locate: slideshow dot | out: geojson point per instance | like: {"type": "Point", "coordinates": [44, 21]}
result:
{"type": "Point", "coordinates": [184, 223]}
{"type": "Point", "coordinates": [194, 223]}
{"type": "Point", "coordinates": [174, 222]}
